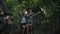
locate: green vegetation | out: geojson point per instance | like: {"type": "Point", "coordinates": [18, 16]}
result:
{"type": "Point", "coordinates": [49, 8]}
{"type": "Point", "coordinates": [49, 16]}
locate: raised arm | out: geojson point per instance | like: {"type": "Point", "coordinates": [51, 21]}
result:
{"type": "Point", "coordinates": [32, 14]}
{"type": "Point", "coordinates": [35, 14]}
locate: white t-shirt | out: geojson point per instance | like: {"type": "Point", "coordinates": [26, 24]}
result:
{"type": "Point", "coordinates": [23, 20]}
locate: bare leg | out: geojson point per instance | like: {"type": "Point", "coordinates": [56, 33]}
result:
{"type": "Point", "coordinates": [23, 29]}
{"type": "Point", "coordinates": [31, 29]}
{"type": "Point", "coordinates": [27, 28]}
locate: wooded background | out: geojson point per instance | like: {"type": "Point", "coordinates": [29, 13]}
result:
{"type": "Point", "coordinates": [47, 22]}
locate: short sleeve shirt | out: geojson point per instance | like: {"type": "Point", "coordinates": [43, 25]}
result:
{"type": "Point", "coordinates": [29, 19]}
{"type": "Point", "coordinates": [22, 19]}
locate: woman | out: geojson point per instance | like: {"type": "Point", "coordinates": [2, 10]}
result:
{"type": "Point", "coordinates": [30, 21]}
{"type": "Point", "coordinates": [22, 21]}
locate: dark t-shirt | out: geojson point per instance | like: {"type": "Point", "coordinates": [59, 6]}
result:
{"type": "Point", "coordinates": [29, 19]}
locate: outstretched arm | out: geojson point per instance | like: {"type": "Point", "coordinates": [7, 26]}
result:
{"type": "Point", "coordinates": [35, 14]}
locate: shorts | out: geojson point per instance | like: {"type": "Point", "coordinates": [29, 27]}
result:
{"type": "Point", "coordinates": [29, 22]}
{"type": "Point", "coordinates": [23, 23]}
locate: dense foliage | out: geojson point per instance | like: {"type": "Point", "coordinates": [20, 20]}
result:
{"type": "Point", "coordinates": [49, 8]}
